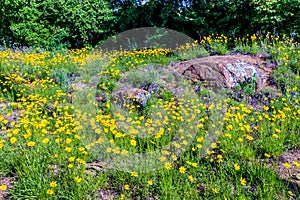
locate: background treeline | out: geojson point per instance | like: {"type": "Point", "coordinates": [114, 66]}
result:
{"type": "Point", "coordinates": [77, 23]}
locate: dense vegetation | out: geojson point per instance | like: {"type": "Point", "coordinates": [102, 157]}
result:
{"type": "Point", "coordinates": [78, 23]}
{"type": "Point", "coordinates": [41, 143]}
{"type": "Point", "coordinates": [60, 129]}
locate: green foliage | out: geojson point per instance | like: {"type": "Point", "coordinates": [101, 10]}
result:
{"type": "Point", "coordinates": [199, 17]}
{"type": "Point", "coordinates": [66, 23]}
{"type": "Point", "coordinates": [41, 145]}
{"type": "Point", "coordinates": [167, 95]}
{"type": "Point", "coordinates": [138, 78]}
{"type": "Point", "coordinates": [107, 84]}
{"type": "Point", "coordinates": [193, 52]}
{"type": "Point", "coordinates": [276, 14]}
{"type": "Point", "coordinates": [50, 23]}
{"type": "Point", "coordinates": [249, 86]}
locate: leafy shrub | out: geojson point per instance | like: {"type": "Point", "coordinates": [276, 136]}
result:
{"type": "Point", "coordinates": [197, 18]}
{"type": "Point", "coordinates": [276, 15]}
{"type": "Point", "coordinates": [55, 23]}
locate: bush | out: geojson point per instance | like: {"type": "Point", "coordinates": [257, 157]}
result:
{"type": "Point", "coordinates": [52, 23]}
{"type": "Point", "coordinates": [204, 17]}
{"type": "Point", "coordinates": [276, 15]}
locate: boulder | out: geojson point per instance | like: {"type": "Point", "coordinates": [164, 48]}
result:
{"type": "Point", "coordinates": [225, 71]}
{"type": "Point", "coordinates": [129, 95]}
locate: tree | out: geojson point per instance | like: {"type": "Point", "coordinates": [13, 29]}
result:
{"type": "Point", "coordinates": [282, 16]}
{"type": "Point", "coordinates": [68, 23]}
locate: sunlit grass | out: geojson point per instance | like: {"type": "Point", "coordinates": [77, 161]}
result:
{"type": "Point", "coordinates": [46, 111]}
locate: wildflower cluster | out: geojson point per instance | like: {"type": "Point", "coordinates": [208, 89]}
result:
{"type": "Point", "coordinates": [50, 144]}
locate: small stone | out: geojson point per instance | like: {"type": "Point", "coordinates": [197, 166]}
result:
{"type": "Point", "coordinates": [130, 95]}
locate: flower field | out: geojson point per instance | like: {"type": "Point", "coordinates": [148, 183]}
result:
{"type": "Point", "coordinates": [57, 139]}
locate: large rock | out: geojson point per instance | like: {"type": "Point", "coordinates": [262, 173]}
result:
{"type": "Point", "coordinates": [129, 95]}
{"type": "Point", "coordinates": [225, 71]}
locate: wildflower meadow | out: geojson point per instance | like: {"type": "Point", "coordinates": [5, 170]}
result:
{"type": "Point", "coordinates": [58, 141]}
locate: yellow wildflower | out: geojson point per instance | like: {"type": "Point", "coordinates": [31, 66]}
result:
{"type": "Point", "coordinates": [267, 155]}
{"type": "Point", "coordinates": [243, 181]}
{"type": "Point", "coordinates": [215, 190]}
{"type": "Point", "coordinates": [126, 187]}
{"type": "Point", "coordinates": [290, 193]}
{"type": "Point", "coordinates": [49, 191]}
{"type": "Point", "coordinates": [133, 143]}
{"type": "Point", "coordinates": [53, 184]}
{"type": "Point", "coordinates": [236, 167]}
{"type": "Point", "coordinates": [296, 164]}
{"type": "Point", "coordinates": [275, 136]}
{"type": "Point", "coordinates": [135, 174]}
{"type": "Point", "coordinates": [150, 182]}
{"type": "Point", "coordinates": [182, 169]}
{"type": "Point", "coordinates": [191, 178]}
{"type": "Point", "coordinates": [31, 144]}
{"type": "Point", "coordinates": [168, 165]}
{"type": "Point", "coordinates": [78, 179]}
{"type": "Point", "coordinates": [287, 165]}
{"type": "Point", "coordinates": [45, 141]}
{"type": "Point", "coordinates": [3, 187]}
{"type": "Point", "coordinates": [13, 140]}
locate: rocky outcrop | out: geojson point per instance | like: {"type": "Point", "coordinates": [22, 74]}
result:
{"type": "Point", "coordinates": [225, 71]}
{"type": "Point", "coordinates": [129, 95]}
{"type": "Point", "coordinates": [218, 72]}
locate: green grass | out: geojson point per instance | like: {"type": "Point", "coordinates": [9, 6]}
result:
{"type": "Point", "coordinates": [61, 130]}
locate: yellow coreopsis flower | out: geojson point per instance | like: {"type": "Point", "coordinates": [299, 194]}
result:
{"type": "Point", "coordinates": [168, 165]}
{"type": "Point", "coordinates": [68, 149]}
{"type": "Point", "coordinates": [215, 190]}
{"type": "Point", "coordinates": [71, 159]}
{"type": "Point", "coordinates": [135, 174]}
{"type": "Point", "coordinates": [266, 108]}
{"type": "Point", "coordinates": [182, 169]}
{"type": "Point", "coordinates": [243, 181]}
{"type": "Point", "coordinates": [194, 164]}
{"type": "Point", "coordinates": [68, 141]}
{"type": "Point", "coordinates": [126, 187]}
{"type": "Point", "coordinates": [290, 193]}
{"type": "Point", "coordinates": [50, 191]}
{"type": "Point", "coordinates": [277, 130]}
{"type": "Point", "coordinates": [78, 179]}
{"type": "Point", "coordinates": [191, 178]}
{"type": "Point", "coordinates": [275, 136]}
{"type": "Point", "coordinates": [3, 187]}
{"type": "Point", "coordinates": [236, 167]}
{"type": "Point", "coordinates": [53, 184]}
{"type": "Point", "coordinates": [267, 155]}
{"type": "Point", "coordinates": [249, 137]}
{"type": "Point", "coordinates": [13, 140]}
{"type": "Point", "coordinates": [133, 143]}
{"type": "Point", "coordinates": [150, 182]}
{"type": "Point", "coordinates": [16, 131]}
{"type": "Point", "coordinates": [45, 141]}
{"type": "Point", "coordinates": [287, 165]}
{"type": "Point", "coordinates": [70, 166]}
{"type": "Point", "coordinates": [31, 144]}
{"type": "Point", "coordinates": [297, 164]}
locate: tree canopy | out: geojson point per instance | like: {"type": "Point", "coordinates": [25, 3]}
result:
{"type": "Point", "coordinates": [77, 23]}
